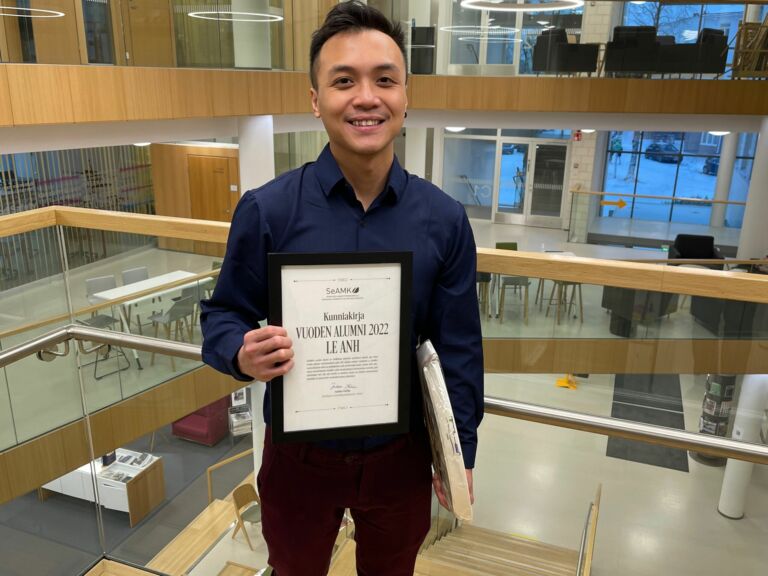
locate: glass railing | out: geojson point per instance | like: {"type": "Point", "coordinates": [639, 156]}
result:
{"type": "Point", "coordinates": [695, 40]}
{"type": "Point", "coordinates": [651, 357]}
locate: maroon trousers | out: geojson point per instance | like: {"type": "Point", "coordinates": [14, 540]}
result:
{"type": "Point", "coordinates": [304, 490]}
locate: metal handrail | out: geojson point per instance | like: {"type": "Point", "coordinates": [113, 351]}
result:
{"type": "Point", "coordinates": [583, 545]}
{"type": "Point", "coordinates": [669, 437]}
{"type": "Point", "coordinates": [109, 337]}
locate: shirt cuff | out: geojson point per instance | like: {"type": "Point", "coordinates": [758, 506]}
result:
{"type": "Point", "coordinates": [230, 358]}
{"type": "Point", "coordinates": [469, 451]}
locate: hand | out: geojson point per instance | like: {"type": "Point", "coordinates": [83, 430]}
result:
{"type": "Point", "coordinates": [440, 492]}
{"type": "Point", "coordinates": [266, 353]}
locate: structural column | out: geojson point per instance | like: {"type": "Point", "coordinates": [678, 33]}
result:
{"type": "Point", "coordinates": [257, 167]}
{"type": "Point", "coordinates": [416, 151]}
{"type": "Point", "coordinates": [251, 39]}
{"type": "Point", "coordinates": [752, 13]}
{"type": "Point", "coordinates": [724, 175]}
{"type": "Point", "coordinates": [753, 242]}
{"type": "Point", "coordinates": [257, 151]}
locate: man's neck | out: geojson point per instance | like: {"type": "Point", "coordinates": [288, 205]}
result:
{"type": "Point", "coordinates": [366, 174]}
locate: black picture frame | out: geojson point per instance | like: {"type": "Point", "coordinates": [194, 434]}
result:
{"type": "Point", "coordinates": [276, 262]}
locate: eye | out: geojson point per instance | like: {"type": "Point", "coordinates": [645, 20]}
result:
{"type": "Point", "coordinates": [386, 80]}
{"type": "Point", "coordinates": [342, 82]}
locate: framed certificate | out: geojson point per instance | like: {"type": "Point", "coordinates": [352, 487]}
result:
{"type": "Point", "coordinates": [348, 316]}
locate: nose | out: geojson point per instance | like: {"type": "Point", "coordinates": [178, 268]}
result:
{"type": "Point", "coordinates": [367, 96]}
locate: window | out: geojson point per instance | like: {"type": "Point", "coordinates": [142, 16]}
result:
{"type": "Point", "coordinates": [671, 176]}
{"type": "Point", "coordinates": [708, 139]}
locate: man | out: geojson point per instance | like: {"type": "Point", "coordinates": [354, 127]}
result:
{"type": "Point", "coordinates": [355, 197]}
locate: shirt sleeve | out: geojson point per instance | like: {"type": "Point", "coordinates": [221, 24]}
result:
{"type": "Point", "coordinates": [454, 329]}
{"type": "Point", "coordinates": [239, 301]}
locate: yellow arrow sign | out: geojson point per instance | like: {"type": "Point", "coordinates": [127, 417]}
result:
{"type": "Point", "coordinates": [620, 203]}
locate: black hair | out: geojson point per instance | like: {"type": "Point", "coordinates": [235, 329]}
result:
{"type": "Point", "coordinates": [353, 17]}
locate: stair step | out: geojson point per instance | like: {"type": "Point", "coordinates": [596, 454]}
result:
{"type": "Point", "coordinates": [344, 562]}
{"type": "Point", "coordinates": [488, 566]}
{"type": "Point", "coordinates": [514, 543]}
{"type": "Point", "coordinates": [474, 552]}
{"type": "Point", "coordinates": [513, 551]}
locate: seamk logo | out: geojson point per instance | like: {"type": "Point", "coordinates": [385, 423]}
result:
{"type": "Point", "coordinates": [330, 291]}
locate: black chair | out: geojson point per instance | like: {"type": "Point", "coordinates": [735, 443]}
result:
{"type": "Point", "coordinates": [707, 56]}
{"type": "Point", "coordinates": [695, 246]}
{"type": "Point", "coordinates": [634, 49]}
{"type": "Point", "coordinates": [553, 54]}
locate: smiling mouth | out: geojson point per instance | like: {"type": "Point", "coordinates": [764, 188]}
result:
{"type": "Point", "coordinates": [366, 122]}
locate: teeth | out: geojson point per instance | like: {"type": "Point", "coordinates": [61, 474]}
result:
{"type": "Point", "coordinates": [365, 122]}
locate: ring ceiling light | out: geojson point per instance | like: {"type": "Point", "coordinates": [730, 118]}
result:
{"type": "Point", "coordinates": [512, 6]}
{"type": "Point", "coordinates": [489, 40]}
{"type": "Point", "coordinates": [219, 15]}
{"type": "Point", "coordinates": [484, 30]}
{"type": "Point", "coordinates": [29, 12]}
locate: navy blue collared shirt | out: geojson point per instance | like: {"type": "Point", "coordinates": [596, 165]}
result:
{"type": "Point", "coordinates": [314, 209]}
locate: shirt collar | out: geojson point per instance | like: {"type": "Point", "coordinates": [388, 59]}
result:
{"type": "Point", "coordinates": [329, 174]}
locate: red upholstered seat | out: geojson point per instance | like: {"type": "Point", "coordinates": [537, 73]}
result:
{"type": "Point", "coordinates": [208, 425]}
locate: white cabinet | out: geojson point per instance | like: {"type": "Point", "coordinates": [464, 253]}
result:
{"type": "Point", "coordinates": [137, 473]}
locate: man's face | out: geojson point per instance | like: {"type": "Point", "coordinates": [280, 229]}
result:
{"type": "Point", "coordinates": [360, 93]}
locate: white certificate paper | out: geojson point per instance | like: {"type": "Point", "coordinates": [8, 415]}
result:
{"type": "Point", "coordinates": [345, 324]}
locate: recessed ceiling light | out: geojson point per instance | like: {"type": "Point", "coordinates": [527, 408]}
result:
{"type": "Point", "coordinates": [455, 128]}
{"type": "Point", "coordinates": [219, 15]}
{"type": "Point", "coordinates": [587, 130]}
{"type": "Point", "coordinates": [542, 22]}
{"type": "Point", "coordinates": [142, 143]}
{"type": "Point", "coordinates": [513, 6]}
{"type": "Point", "coordinates": [719, 132]}
{"type": "Point", "coordinates": [29, 12]}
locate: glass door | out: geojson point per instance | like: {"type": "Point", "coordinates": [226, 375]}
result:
{"type": "Point", "coordinates": [513, 168]}
{"type": "Point", "coordinates": [529, 189]}
{"type": "Point", "coordinates": [547, 186]}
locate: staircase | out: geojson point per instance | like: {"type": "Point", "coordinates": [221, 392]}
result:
{"type": "Point", "coordinates": [470, 551]}
{"type": "Point", "coordinates": [478, 551]}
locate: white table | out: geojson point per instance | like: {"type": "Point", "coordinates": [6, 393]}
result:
{"type": "Point", "coordinates": [141, 286]}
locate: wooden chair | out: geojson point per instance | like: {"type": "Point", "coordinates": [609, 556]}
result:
{"type": "Point", "coordinates": [245, 495]}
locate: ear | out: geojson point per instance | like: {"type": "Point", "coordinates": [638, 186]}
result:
{"type": "Point", "coordinates": [315, 107]}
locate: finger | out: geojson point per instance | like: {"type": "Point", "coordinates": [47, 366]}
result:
{"type": "Point", "coordinates": [281, 370]}
{"type": "Point", "coordinates": [265, 333]}
{"type": "Point", "coordinates": [275, 358]}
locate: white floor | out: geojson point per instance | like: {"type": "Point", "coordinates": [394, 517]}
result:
{"type": "Point", "coordinates": [531, 480]}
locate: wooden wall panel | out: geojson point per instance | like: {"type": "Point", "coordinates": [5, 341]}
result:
{"type": "Point", "coordinates": [147, 93]}
{"type": "Point", "coordinates": [465, 94]}
{"type": "Point", "coordinates": [56, 39]}
{"type": "Point", "coordinates": [6, 115]}
{"type": "Point", "coordinates": [230, 92]}
{"type": "Point", "coordinates": [88, 85]}
{"type": "Point", "coordinates": [625, 356]}
{"type": "Point", "coordinates": [608, 95]}
{"type": "Point", "coordinates": [295, 92]}
{"type": "Point", "coordinates": [35, 463]}
{"type": "Point", "coordinates": [5, 488]}
{"type": "Point", "coordinates": [428, 92]}
{"type": "Point", "coordinates": [265, 92]}
{"type": "Point", "coordinates": [578, 91]}
{"type": "Point", "coordinates": [191, 93]}
{"type": "Point", "coordinates": [40, 94]}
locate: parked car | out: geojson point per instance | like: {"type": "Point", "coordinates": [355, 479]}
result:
{"type": "Point", "coordinates": [711, 165]}
{"type": "Point", "coordinates": [667, 153]}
